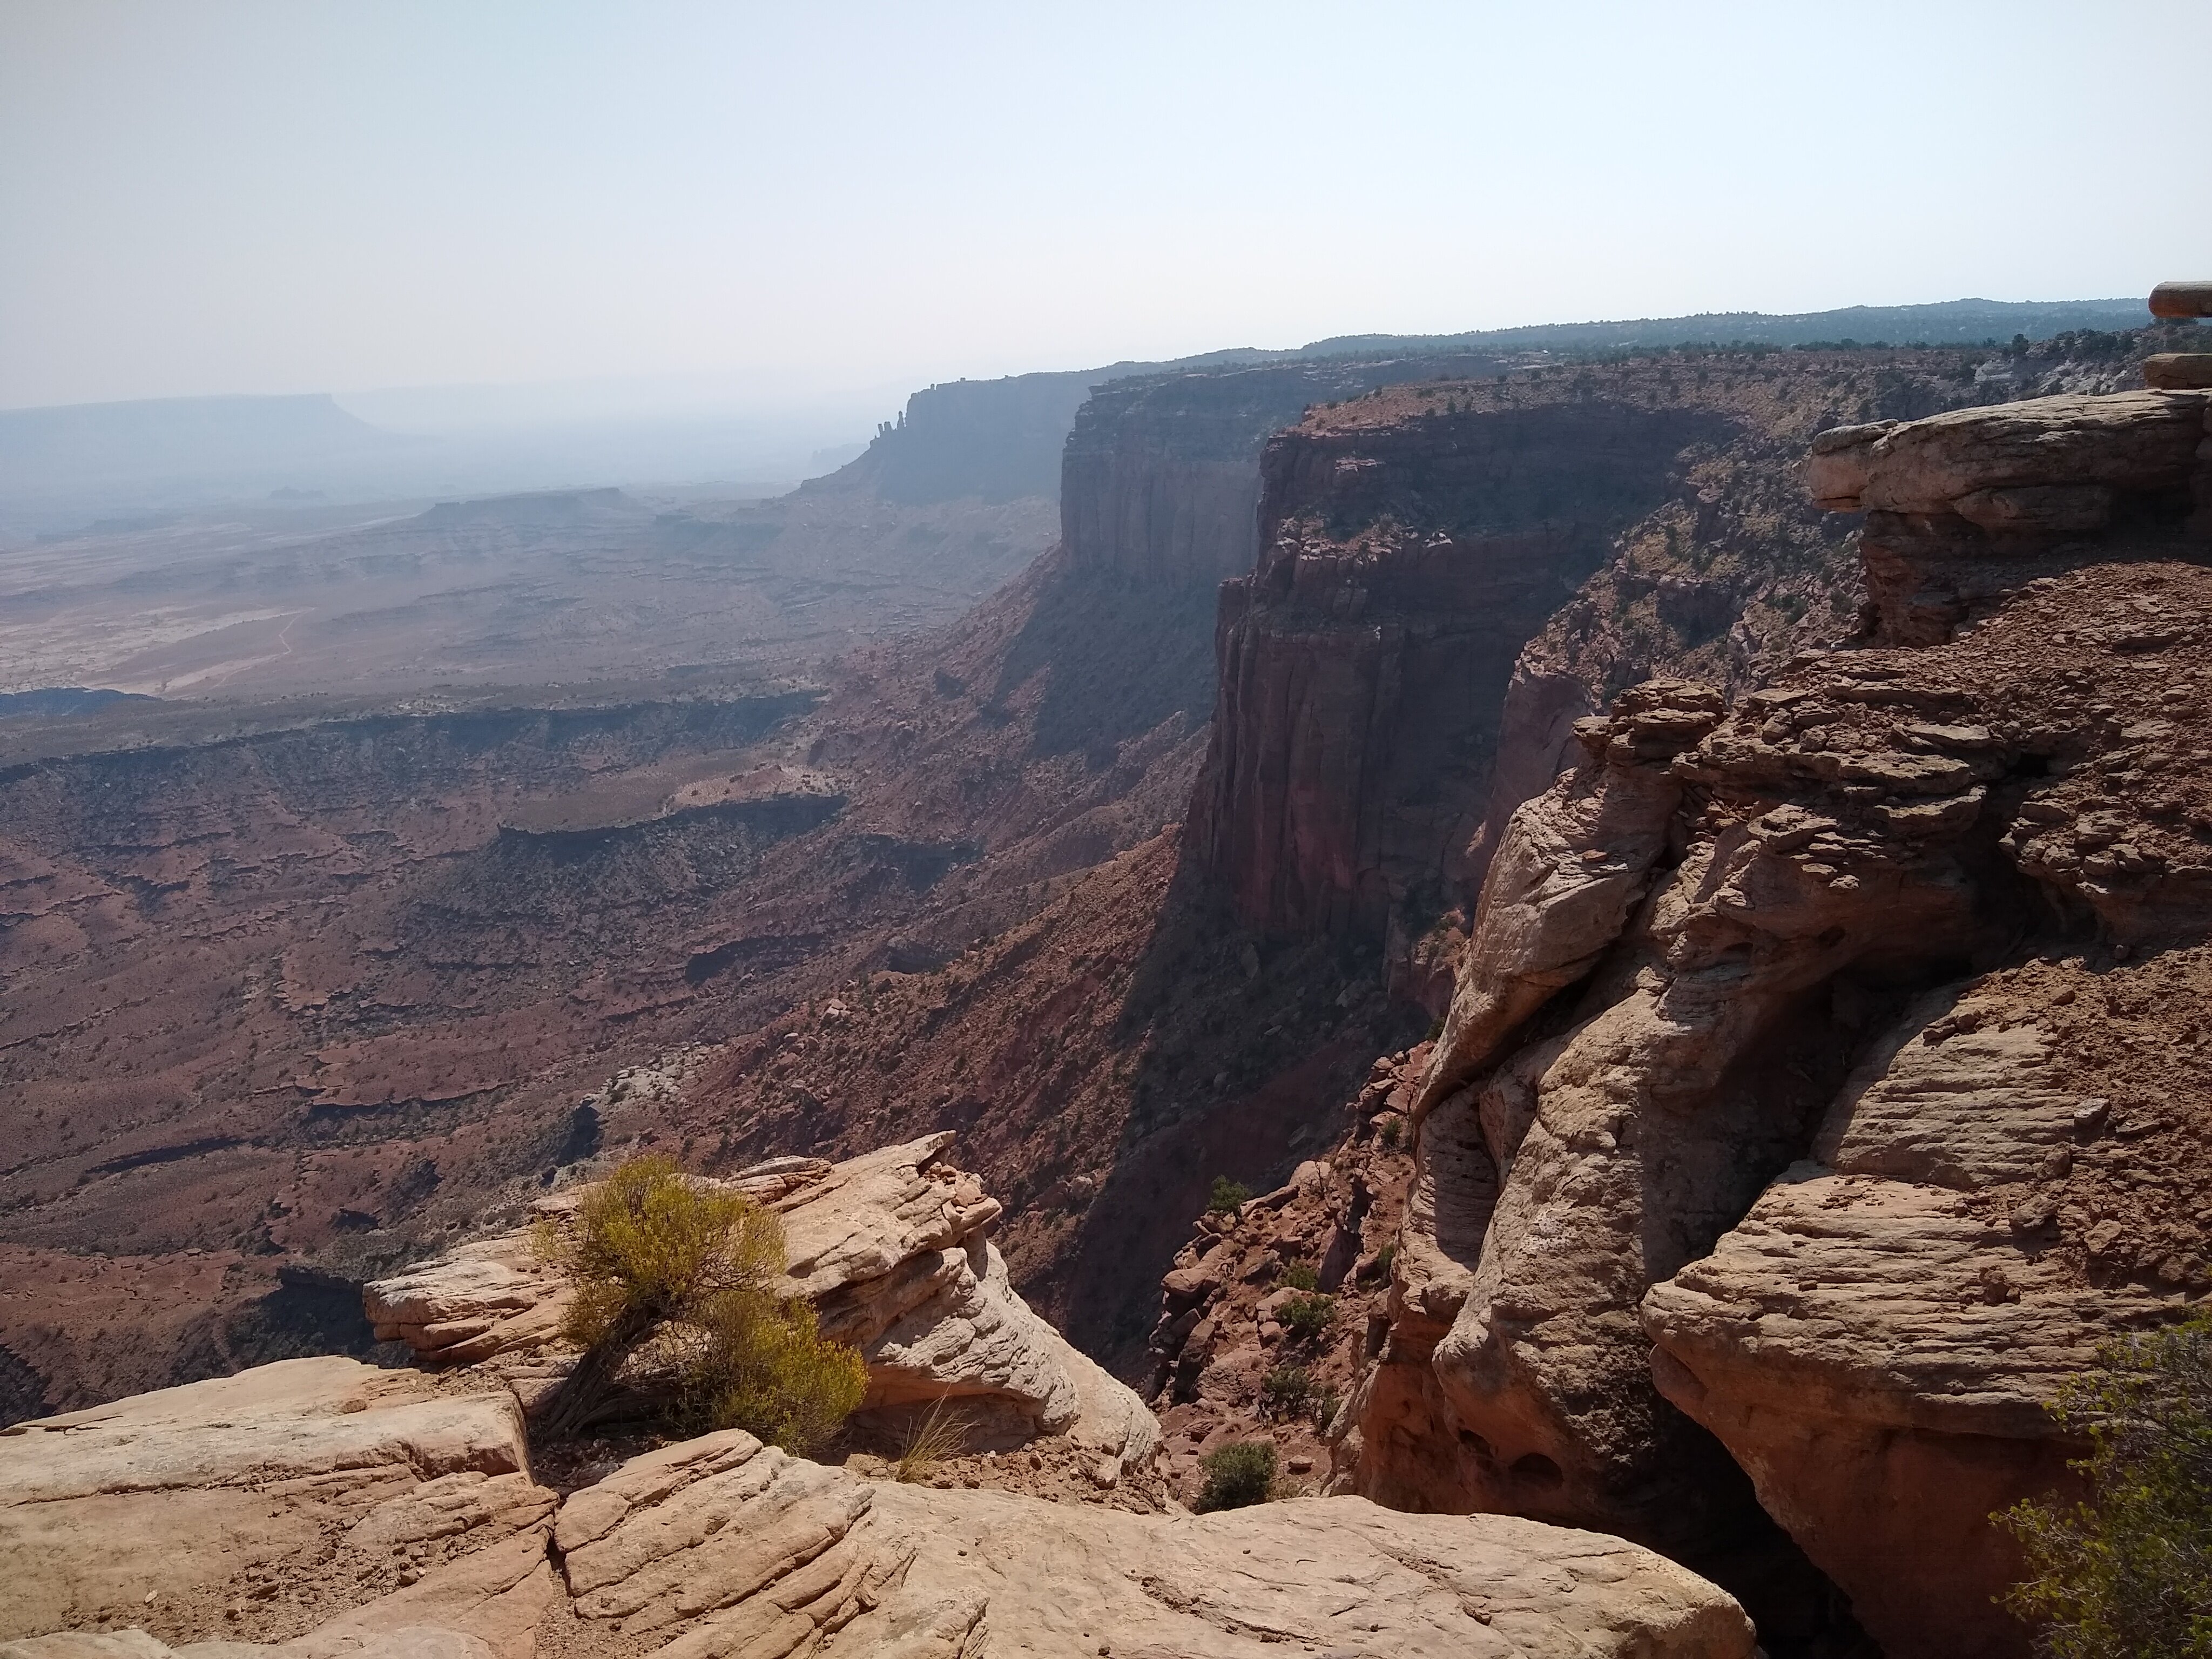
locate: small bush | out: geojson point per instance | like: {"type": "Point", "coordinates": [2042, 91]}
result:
{"type": "Point", "coordinates": [1288, 1391]}
{"type": "Point", "coordinates": [653, 1251]}
{"type": "Point", "coordinates": [764, 1366]}
{"type": "Point", "coordinates": [2128, 1574]}
{"type": "Point", "coordinates": [1393, 1131]}
{"type": "Point", "coordinates": [650, 1244]}
{"type": "Point", "coordinates": [1307, 1318]}
{"type": "Point", "coordinates": [1226, 1195]}
{"type": "Point", "coordinates": [1300, 1276]}
{"type": "Point", "coordinates": [1240, 1473]}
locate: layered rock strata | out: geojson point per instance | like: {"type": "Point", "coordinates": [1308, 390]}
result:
{"type": "Point", "coordinates": [1740, 572]}
{"type": "Point", "coordinates": [1952, 502]}
{"type": "Point", "coordinates": [1161, 474]}
{"type": "Point", "coordinates": [893, 1250]}
{"type": "Point", "coordinates": [1811, 1074]}
{"type": "Point", "coordinates": [1377, 716]}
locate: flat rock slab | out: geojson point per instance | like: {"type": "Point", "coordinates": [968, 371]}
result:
{"type": "Point", "coordinates": [256, 1503]}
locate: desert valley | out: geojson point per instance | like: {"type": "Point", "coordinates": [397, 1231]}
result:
{"type": "Point", "coordinates": [1540, 992]}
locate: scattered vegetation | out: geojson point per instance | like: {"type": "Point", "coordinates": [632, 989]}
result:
{"type": "Point", "coordinates": [1391, 1131]}
{"type": "Point", "coordinates": [658, 1256]}
{"type": "Point", "coordinates": [1302, 1276]}
{"type": "Point", "coordinates": [1287, 1391]}
{"type": "Point", "coordinates": [1226, 1195]}
{"type": "Point", "coordinates": [1326, 1400]}
{"type": "Point", "coordinates": [1307, 1318]}
{"type": "Point", "coordinates": [1238, 1474]}
{"type": "Point", "coordinates": [2128, 1573]}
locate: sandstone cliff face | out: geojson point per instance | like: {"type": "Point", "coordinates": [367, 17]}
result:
{"type": "Point", "coordinates": [1371, 708]}
{"type": "Point", "coordinates": [1161, 474]}
{"type": "Point", "coordinates": [1806, 1057]}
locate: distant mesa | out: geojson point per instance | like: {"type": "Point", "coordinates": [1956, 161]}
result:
{"type": "Point", "coordinates": [538, 508]}
{"type": "Point", "coordinates": [63, 701]}
{"type": "Point", "coordinates": [177, 437]}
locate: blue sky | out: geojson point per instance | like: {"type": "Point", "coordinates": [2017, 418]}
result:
{"type": "Point", "coordinates": [768, 202]}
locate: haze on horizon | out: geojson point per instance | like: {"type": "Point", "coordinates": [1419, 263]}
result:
{"type": "Point", "coordinates": [659, 203]}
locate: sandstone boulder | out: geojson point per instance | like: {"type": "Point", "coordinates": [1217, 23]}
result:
{"type": "Point", "coordinates": [1876, 1340]}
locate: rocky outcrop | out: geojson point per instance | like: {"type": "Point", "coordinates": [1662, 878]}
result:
{"type": "Point", "coordinates": [787, 1550]}
{"type": "Point", "coordinates": [719, 1546]}
{"type": "Point", "coordinates": [1792, 1057]}
{"type": "Point", "coordinates": [1955, 501]}
{"type": "Point", "coordinates": [256, 1505]}
{"type": "Point", "coordinates": [1570, 871]}
{"type": "Point", "coordinates": [1740, 572]}
{"type": "Point", "coordinates": [893, 1250]}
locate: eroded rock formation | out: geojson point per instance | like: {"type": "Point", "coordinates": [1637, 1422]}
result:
{"type": "Point", "coordinates": [893, 1250]}
{"type": "Point", "coordinates": [1805, 1074]}
{"type": "Point", "coordinates": [321, 1510]}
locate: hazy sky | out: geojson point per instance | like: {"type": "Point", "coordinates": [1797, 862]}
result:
{"type": "Point", "coordinates": [200, 197]}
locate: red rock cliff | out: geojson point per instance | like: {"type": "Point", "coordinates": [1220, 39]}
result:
{"type": "Point", "coordinates": [1833, 1076]}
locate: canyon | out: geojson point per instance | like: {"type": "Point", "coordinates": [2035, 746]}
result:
{"type": "Point", "coordinates": [1802, 861]}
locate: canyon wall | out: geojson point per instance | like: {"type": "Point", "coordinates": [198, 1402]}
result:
{"type": "Point", "coordinates": [1161, 479]}
{"type": "Point", "coordinates": [1375, 698]}
{"type": "Point", "coordinates": [1824, 1080]}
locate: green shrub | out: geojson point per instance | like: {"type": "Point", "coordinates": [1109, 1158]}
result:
{"type": "Point", "coordinates": [2129, 1572]}
{"type": "Point", "coordinates": [650, 1244]}
{"type": "Point", "coordinates": [1240, 1473]}
{"type": "Point", "coordinates": [1300, 1276]}
{"type": "Point", "coordinates": [1287, 1391]}
{"type": "Point", "coordinates": [1226, 1195]}
{"type": "Point", "coordinates": [1393, 1131]}
{"type": "Point", "coordinates": [1307, 1318]}
{"type": "Point", "coordinates": [763, 1366]}
{"type": "Point", "coordinates": [650, 1250]}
